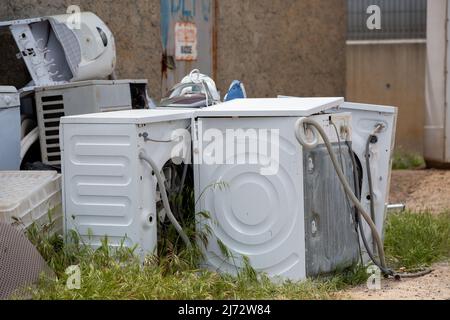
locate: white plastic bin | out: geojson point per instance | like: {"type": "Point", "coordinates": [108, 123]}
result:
{"type": "Point", "coordinates": [28, 197]}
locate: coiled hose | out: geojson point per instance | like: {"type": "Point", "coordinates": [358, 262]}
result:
{"type": "Point", "coordinates": [165, 199]}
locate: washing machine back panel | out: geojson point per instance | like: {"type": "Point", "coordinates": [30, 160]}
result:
{"type": "Point", "coordinates": [256, 216]}
{"type": "Point", "coordinates": [108, 191]}
{"type": "Point", "coordinates": [331, 238]}
{"type": "Point", "coordinates": [101, 192]}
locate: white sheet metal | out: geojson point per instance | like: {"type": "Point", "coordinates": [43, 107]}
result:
{"type": "Point", "coordinates": [108, 190]}
{"type": "Point", "coordinates": [131, 116]}
{"type": "Point", "coordinates": [273, 107]}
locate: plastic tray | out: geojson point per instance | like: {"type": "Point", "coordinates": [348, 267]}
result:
{"type": "Point", "coordinates": [28, 197]}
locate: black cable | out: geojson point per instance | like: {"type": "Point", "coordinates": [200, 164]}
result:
{"type": "Point", "coordinates": [358, 194]}
{"type": "Point", "coordinates": [356, 179]}
{"type": "Point", "coordinates": [371, 140]}
{"type": "Point", "coordinates": [341, 158]}
{"type": "Point", "coordinates": [183, 178]}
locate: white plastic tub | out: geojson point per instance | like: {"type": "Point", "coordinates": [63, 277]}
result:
{"type": "Point", "coordinates": [28, 197]}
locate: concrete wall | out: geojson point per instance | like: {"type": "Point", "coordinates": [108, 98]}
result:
{"type": "Point", "coordinates": [391, 74]}
{"type": "Point", "coordinates": [291, 47]}
{"type": "Point", "coordinates": [437, 122]}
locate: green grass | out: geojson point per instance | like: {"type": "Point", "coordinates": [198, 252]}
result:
{"type": "Point", "coordinates": [118, 274]}
{"type": "Point", "coordinates": [415, 240]}
{"type": "Point", "coordinates": [407, 161]}
{"type": "Point", "coordinates": [134, 282]}
{"type": "Point", "coordinates": [412, 241]}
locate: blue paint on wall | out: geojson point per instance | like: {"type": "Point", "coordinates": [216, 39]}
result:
{"type": "Point", "coordinates": [165, 22]}
{"type": "Point", "coordinates": [188, 8]}
{"type": "Point", "coordinates": [206, 9]}
{"type": "Point", "coordinates": [184, 9]}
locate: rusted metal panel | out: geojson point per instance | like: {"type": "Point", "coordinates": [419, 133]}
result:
{"type": "Point", "coordinates": [187, 32]}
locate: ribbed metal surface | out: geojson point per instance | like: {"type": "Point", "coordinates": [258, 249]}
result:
{"type": "Point", "coordinates": [50, 110]}
{"type": "Point", "coordinates": [400, 19]}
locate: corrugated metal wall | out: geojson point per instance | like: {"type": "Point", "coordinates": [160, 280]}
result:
{"type": "Point", "coordinates": [401, 19]}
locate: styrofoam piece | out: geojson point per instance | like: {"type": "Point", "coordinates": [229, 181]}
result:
{"type": "Point", "coordinates": [28, 197]}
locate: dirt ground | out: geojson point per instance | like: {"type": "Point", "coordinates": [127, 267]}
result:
{"type": "Point", "coordinates": [419, 190]}
{"type": "Point", "coordinates": [435, 286]}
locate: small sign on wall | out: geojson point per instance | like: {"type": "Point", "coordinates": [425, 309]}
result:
{"type": "Point", "coordinates": [185, 41]}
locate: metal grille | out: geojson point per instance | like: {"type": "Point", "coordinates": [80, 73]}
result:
{"type": "Point", "coordinates": [400, 19]}
{"type": "Point", "coordinates": [20, 263]}
{"type": "Point", "coordinates": [50, 110]}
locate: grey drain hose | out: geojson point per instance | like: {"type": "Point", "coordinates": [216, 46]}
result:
{"type": "Point", "coordinates": [348, 190]}
{"type": "Point", "coordinates": [165, 199]}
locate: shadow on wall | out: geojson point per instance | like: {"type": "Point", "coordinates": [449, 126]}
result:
{"type": "Point", "coordinates": [13, 72]}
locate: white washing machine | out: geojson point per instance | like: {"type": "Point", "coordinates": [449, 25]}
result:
{"type": "Point", "coordinates": [108, 190]}
{"type": "Point", "coordinates": [364, 118]}
{"type": "Point", "coordinates": [273, 203]}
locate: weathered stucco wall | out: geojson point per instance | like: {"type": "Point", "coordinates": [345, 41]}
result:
{"type": "Point", "coordinates": [292, 47]}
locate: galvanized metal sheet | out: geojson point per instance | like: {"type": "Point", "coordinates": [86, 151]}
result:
{"type": "Point", "coordinates": [330, 233]}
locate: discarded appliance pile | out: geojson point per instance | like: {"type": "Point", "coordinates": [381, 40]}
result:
{"type": "Point", "coordinates": [306, 178]}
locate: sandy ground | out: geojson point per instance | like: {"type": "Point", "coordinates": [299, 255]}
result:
{"type": "Point", "coordinates": [419, 190]}
{"type": "Point", "coordinates": [435, 286]}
